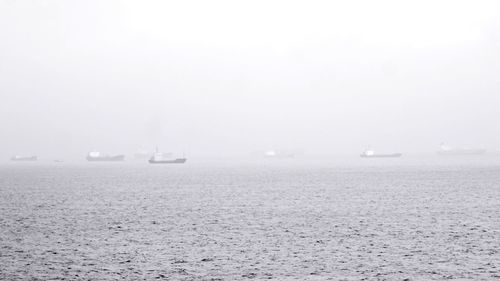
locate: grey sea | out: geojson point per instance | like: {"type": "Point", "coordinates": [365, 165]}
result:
{"type": "Point", "coordinates": [264, 221]}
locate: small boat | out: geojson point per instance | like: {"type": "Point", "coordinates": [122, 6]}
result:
{"type": "Point", "coordinates": [371, 154]}
{"type": "Point", "coordinates": [166, 158]}
{"type": "Point", "coordinates": [19, 158]}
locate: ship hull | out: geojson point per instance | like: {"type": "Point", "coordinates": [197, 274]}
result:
{"type": "Point", "coordinates": [174, 161]}
{"type": "Point", "coordinates": [393, 155]}
{"type": "Point", "coordinates": [116, 158]}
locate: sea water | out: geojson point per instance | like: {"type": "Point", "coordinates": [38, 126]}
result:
{"type": "Point", "coordinates": [119, 221]}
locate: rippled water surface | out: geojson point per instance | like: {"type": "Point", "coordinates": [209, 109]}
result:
{"type": "Point", "coordinates": [115, 222]}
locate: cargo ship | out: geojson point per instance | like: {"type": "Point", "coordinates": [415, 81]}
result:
{"type": "Point", "coordinates": [95, 156]}
{"type": "Point", "coordinates": [19, 158]}
{"type": "Point", "coordinates": [371, 154]}
{"type": "Point", "coordinates": [166, 158]}
{"type": "Point", "coordinates": [447, 150]}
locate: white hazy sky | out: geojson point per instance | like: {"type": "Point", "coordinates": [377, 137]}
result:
{"type": "Point", "coordinates": [231, 77]}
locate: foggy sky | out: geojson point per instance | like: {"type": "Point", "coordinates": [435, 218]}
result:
{"type": "Point", "coordinates": [231, 77]}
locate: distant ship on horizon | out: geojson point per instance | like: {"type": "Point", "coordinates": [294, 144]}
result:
{"type": "Point", "coordinates": [278, 154]}
{"type": "Point", "coordinates": [19, 158]}
{"type": "Point", "coordinates": [165, 158]}
{"type": "Point", "coordinates": [96, 156]}
{"type": "Point", "coordinates": [447, 150]}
{"type": "Point", "coordinates": [368, 153]}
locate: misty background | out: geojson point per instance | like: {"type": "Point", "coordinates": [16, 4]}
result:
{"type": "Point", "coordinates": [226, 78]}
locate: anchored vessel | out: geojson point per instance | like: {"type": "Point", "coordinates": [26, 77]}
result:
{"type": "Point", "coordinates": [371, 154]}
{"type": "Point", "coordinates": [23, 158]}
{"type": "Point", "coordinates": [95, 156]}
{"type": "Point", "coordinates": [166, 158]}
{"type": "Point", "coordinates": [446, 150]}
